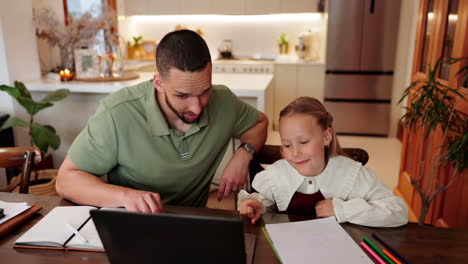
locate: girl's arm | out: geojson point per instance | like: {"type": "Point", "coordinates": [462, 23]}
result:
{"type": "Point", "coordinates": [261, 183]}
{"type": "Point", "coordinates": [371, 203]}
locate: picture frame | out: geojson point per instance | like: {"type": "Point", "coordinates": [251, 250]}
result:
{"type": "Point", "coordinates": [86, 63]}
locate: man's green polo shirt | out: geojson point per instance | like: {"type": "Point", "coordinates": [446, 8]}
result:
{"type": "Point", "coordinates": [129, 139]}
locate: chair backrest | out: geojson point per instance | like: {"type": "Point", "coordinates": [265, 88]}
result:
{"type": "Point", "coordinates": [271, 153]}
{"type": "Point", "coordinates": [24, 158]}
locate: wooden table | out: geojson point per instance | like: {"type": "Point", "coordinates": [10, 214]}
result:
{"type": "Point", "coordinates": [418, 244]}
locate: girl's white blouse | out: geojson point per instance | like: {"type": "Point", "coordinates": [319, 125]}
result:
{"type": "Point", "coordinates": [358, 197]}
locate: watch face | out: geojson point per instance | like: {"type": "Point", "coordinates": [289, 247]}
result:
{"type": "Point", "coordinates": [249, 147]}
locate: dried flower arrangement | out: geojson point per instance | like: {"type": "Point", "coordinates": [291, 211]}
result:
{"type": "Point", "coordinates": [78, 33]}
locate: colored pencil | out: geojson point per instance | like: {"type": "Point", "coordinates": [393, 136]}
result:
{"type": "Point", "coordinates": [372, 253]}
{"type": "Point", "coordinates": [391, 249]}
{"type": "Point", "coordinates": [391, 256]}
{"type": "Point", "coordinates": [378, 251]}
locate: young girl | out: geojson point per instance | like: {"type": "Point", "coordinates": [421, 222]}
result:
{"type": "Point", "coordinates": [315, 178]}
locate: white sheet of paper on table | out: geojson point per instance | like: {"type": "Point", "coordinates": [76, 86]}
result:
{"type": "Point", "coordinates": [12, 209]}
{"type": "Point", "coordinates": [321, 241]}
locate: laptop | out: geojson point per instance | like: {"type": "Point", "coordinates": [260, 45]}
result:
{"type": "Point", "coordinates": [172, 238]}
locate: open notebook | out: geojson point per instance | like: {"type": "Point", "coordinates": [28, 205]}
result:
{"type": "Point", "coordinates": [52, 233]}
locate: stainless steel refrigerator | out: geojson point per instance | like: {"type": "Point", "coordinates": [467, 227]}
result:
{"type": "Point", "coordinates": [361, 45]}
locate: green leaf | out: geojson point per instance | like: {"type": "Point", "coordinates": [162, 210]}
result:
{"type": "Point", "coordinates": [14, 92]}
{"type": "Point", "coordinates": [22, 89]}
{"type": "Point", "coordinates": [14, 121]}
{"type": "Point", "coordinates": [56, 95]}
{"type": "Point", "coordinates": [31, 106]}
{"type": "Point", "coordinates": [44, 137]}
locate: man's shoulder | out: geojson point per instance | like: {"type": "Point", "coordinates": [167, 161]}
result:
{"type": "Point", "coordinates": [127, 94]}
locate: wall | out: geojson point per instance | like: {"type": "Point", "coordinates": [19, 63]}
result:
{"type": "Point", "coordinates": [6, 105]}
{"type": "Point", "coordinates": [404, 59]}
{"type": "Point", "coordinates": [21, 60]}
{"type": "Point", "coordinates": [251, 35]}
{"type": "Point", "coordinates": [49, 57]}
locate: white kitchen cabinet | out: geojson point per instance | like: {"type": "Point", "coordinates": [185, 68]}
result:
{"type": "Point", "coordinates": [296, 80]}
{"type": "Point", "coordinates": [228, 7]}
{"type": "Point", "coordinates": [164, 7]}
{"type": "Point", "coordinates": [151, 7]}
{"type": "Point", "coordinates": [189, 7]}
{"type": "Point", "coordinates": [260, 7]}
{"type": "Point", "coordinates": [135, 7]}
{"type": "Point", "coordinates": [285, 88]}
{"type": "Point", "coordinates": [311, 80]}
{"type": "Point", "coordinates": [220, 7]}
{"type": "Point", "coordinates": [298, 6]}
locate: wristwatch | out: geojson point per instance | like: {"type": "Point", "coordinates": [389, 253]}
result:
{"type": "Point", "coordinates": [249, 147]}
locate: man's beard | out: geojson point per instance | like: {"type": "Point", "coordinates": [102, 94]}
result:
{"type": "Point", "coordinates": [181, 115]}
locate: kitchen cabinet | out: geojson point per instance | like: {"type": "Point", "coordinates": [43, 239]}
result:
{"type": "Point", "coordinates": [190, 7]}
{"type": "Point", "coordinates": [228, 7]}
{"type": "Point", "coordinates": [285, 88]}
{"type": "Point", "coordinates": [311, 80]}
{"type": "Point", "coordinates": [220, 7]}
{"type": "Point", "coordinates": [295, 80]}
{"type": "Point", "coordinates": [151, 7]}
{"type": "Point", "coordinates": [298, 6]}
{"type": "Point", "coordinates": [262, 7]}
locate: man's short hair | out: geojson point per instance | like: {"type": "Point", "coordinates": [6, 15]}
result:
{"type": "Point", "coordinates": [184, 50]}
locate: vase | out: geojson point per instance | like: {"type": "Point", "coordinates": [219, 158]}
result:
{"type": "Point", "coordinates": [67, 57]}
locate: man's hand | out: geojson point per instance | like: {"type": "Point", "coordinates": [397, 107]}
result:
{"type": "Point", "coordinates": [142, 201]}
{"type": "Point", "coordinates": [325, 208]}
{"type": "Point", "coordinates": [235, 173]}
{"type": "Point", "coordinates": [251, 208]}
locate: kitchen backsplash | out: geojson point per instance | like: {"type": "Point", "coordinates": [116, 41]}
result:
{"type": "Point", "coordinates": [252, 36]}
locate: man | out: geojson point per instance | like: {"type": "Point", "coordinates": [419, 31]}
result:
{"type": "Point", "coordinates": [161, 141]}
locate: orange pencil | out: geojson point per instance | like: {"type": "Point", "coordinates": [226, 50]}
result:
{"type": "Point", "coordinates": [391, 256]}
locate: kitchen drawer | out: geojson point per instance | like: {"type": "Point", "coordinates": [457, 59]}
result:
{"type": "Point", "coordinates": [360, 118]}
{"type": "Point", "coordinates": [358, 86]}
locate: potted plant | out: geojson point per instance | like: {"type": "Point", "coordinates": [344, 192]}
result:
{"type": "Point", "coordinates": [432, 108]}
{"type": "Point", "coordinates": [41, 136]}
{"type": "Point", "coordinates": [283, 44]}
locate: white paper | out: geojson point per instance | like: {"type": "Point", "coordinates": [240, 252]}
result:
{"type": "Point", "coordinates": [52, 230]}
{"type": "Point", "coordinates": [90, 233]}
{"type": "Point", "coordinates": [315, 241]}
{"type": "Point", "coordinates": [12, 209]}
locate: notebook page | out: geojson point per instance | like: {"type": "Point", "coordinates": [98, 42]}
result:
{"type": "Point", "coordinates": [320, 240]}
{"type": "Point", "coordinates": [51, 230]}
{"type": "Point", "coordinates": [89, 232]}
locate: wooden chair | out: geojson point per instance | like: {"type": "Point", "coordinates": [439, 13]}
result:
{"type": "Point", "coordinates": [271, 153]}
{"type": "Point", "coordinates": [24, 158]}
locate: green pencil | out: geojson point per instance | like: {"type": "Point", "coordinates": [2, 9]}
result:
{"type": "Point", "coordinates": [265, 232]}
{"type": "Point", "coordinates": [376, 249]}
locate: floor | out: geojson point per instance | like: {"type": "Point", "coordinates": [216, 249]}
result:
{"type": "Point", "coordinates": [384, 161]}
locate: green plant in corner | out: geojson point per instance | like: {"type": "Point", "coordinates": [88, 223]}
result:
{"type": "Point", "coordinates": [42, 136]}
{"type": "Point", "coordinates": [433, 106]}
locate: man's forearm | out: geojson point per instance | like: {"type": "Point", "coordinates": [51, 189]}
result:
{"type": "Point", "coordinates": [84, 188]}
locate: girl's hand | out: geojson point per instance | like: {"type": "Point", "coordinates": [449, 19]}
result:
{"type": "Point", "coordinates": [251, 208]}
{"type": "Point", "coordinates": [325, 208]}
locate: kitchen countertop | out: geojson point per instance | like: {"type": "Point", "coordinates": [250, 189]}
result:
{"type": "Point", "coordinates": [242, 85]}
